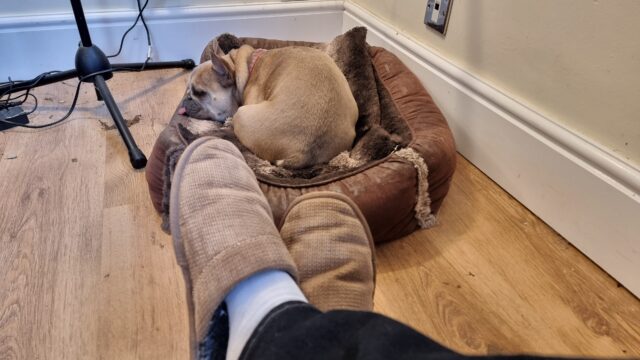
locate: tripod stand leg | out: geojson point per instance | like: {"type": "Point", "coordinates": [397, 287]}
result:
{"type": "Point", "coordinates": [152, 65]}
{"type": "Point", "coordinates": [137, 158]}
{"type": "Point", "coordinates": [98, 95]}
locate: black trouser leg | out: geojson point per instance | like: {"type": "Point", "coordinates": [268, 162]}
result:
{"type": "Point", "coordinates": [299, 331]}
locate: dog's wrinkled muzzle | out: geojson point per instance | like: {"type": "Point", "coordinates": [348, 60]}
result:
{"type": "Point", "coordinates": [191, 108]}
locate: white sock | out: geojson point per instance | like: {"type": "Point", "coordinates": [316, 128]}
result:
{"type": "Point", "coordinates": [251, 300]}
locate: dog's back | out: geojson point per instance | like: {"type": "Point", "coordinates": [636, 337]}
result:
{"type": "Point", "coordinates": [298, 109]}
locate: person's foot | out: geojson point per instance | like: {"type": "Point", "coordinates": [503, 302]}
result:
{"type": "Point", "coordinates": [332, 246]}
{"type": "Point", "coordinates": [222, 228]}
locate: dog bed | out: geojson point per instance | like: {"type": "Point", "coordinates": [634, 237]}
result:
{"type": "Point", "coordinates": [402, 161]}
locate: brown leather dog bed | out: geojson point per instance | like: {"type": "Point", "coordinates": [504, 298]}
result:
{"type": "Point", "coordinates": [401, 165]}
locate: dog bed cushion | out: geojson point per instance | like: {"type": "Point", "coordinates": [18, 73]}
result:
{"type": "Point", "coordinates": [401, 165]}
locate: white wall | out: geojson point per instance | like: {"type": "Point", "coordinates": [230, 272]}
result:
{"type": "Point", "coordinates": [37, 42]}
{"type": "Point", "coordinates": [39, 7]}
{"type": "Point", "coordinates": [574, 61]}
{"type": "Point", "coordinates": [587, 195]}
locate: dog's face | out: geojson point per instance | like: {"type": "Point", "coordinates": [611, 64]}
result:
{"type": "Point", "coordinates": [212, 89]}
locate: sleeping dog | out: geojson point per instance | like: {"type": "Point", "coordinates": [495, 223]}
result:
{"type": "Point", "coordinates": [291, 106]}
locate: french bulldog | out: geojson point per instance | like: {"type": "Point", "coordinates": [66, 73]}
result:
{"type": "Point", "coordinates": [291, 106]}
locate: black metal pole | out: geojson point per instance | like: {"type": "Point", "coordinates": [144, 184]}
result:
{"type": "Point", "coordinates": [138, 160]}
{"type": "Point", "coordinates": [78, 13]}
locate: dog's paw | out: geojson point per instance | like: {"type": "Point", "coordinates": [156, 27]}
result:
{"type": "Point", "coordinates": [186, 134]}
{"type": "Point", "coordinates": [194, 129]}
{"type": "Point", "coordinates": [202, 127]}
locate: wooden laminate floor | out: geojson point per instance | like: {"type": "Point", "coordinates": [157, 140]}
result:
{"type": "Point", "coordinates": [86, 272]}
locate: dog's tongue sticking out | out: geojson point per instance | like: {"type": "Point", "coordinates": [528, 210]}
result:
{"type": "Point", "coordinates": [182, 111]}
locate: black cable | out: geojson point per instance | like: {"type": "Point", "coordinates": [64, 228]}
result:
{"type": "Point", "coordinates": [140, 16]}
{"type": "Point", "coordinates": [11, 101]}
{"type": "Point", "coordinates": [73, 103]}
{"type": "Point", "coordinates": [144, 22]}
{"type": "Point", "coordinates": [146, 29]}
{"type": "Point", "coordinates": [6, 103]}
{"type": "Point", "coordinates": [73, 106]}
{"type": "Point", "coordinates": [35, 104]}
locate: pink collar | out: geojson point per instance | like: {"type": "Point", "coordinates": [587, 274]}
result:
{"type": "Point", "coordinates": [255, 56]}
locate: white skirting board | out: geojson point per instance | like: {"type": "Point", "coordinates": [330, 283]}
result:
{"type": "Point", "coordinates": [585, 194]}
{"type": "Point", "coordinates": [35, 44]}
{"type": "Point", "coordinates": [588, 196]}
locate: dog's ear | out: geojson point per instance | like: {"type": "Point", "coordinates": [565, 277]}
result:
{"type": "Point", "coordinates": [224, 73]}
{"type": "Point", "coordinates": [218, 50]}
{"type": "Point", "coordinates": [219, 67]}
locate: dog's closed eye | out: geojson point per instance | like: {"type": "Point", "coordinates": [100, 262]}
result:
{"type": "Point", "coordinates": [198, 93]}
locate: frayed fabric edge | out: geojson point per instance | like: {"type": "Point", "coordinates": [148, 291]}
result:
{"type": "Point", "coordinates": [423, 201]}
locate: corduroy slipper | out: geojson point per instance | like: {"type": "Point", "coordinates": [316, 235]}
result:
{"type": "Point", "coordinates": [222, 228]}
{"type": "Point", "coordinates": [332, 246]}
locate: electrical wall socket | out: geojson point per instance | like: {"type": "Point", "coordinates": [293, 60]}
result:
{"type": "Point", "coordinates": [437, 14]}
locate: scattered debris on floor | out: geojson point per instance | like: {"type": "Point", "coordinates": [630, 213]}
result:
{"type": "Point", "coordinates": [458, 286]}
{"type": "Point", "coordinates": [74, 160]}
{"type": "Point", "coordinates": [129, 122]}
{"type": "Point", "coordinates": [11, 157]}
{"type": "Point", "coordinates": [48, 99]}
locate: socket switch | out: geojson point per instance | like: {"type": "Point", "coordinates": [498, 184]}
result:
{"type": "Point", "coordinates": [437, 14]}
